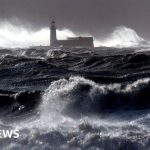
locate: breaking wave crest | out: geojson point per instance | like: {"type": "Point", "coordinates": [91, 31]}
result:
{"type": "Point", "coordinates": [78, 96]}
{"type": "Point", "coordinates": [55, 128]}
{"type": "Point", "coordinates": [12, 36]}
{"type": "Point", "coordinates": [123, 37]}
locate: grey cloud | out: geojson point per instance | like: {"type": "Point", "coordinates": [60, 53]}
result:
{"type": "Point", "coordinates": [97, 17]}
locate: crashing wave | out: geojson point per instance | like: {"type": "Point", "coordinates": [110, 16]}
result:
{"type": "Point", "coordinates": [78, 95]}
{"type": "Point", "coordinates": [57, 130]}
{"type": "Point", "coordinates": [12, 36]}
{"type": "Point", "coordinates": [124, 37]}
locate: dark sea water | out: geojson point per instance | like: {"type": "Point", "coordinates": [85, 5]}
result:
{"type": "Point", "coordinates": [76, 99]}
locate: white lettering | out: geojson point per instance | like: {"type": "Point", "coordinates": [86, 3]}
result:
{"type": "Point", "coordinates": [16, 134]}
{"type": "Point", "coordinates": [7, 133]}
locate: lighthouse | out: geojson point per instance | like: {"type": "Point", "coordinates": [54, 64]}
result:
{"type": "Point", "coordinates": [53, 37]}
{"type": "Point", "coordinates": [86, 42]}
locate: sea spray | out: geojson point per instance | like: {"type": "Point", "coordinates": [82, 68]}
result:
{"type": "Point", "coordinates": [123, 37]}
{"type": "Point", "coordinates": [55, 129]}
{"type": "Point", "coordinates": [12, 36]}
{"type": "Point", "coordinates": [79, 95]}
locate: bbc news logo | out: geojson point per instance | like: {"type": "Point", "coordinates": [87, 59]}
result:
{"type": "Point", "coordinates": [9, 134]}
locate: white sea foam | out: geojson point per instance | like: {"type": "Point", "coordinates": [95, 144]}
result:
{"type": "Point", "coordinates": [123, 37]}
{"type": "Point", "coordinates": [81, 132]}
{"type": "Point", "coordinates": [12, 36]}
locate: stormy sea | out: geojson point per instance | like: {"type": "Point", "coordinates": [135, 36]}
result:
{"type": "Point", "coordinates": [75, 99]}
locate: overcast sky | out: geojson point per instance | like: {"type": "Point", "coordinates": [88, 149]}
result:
{"type": "Point", "coordinates": [97, 17]}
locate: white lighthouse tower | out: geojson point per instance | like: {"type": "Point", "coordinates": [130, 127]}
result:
{"type": "Point", "coordinates": [53, 36]}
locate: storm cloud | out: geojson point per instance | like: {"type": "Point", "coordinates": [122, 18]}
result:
{"type": "Point", "coordinates": [96, 17]}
